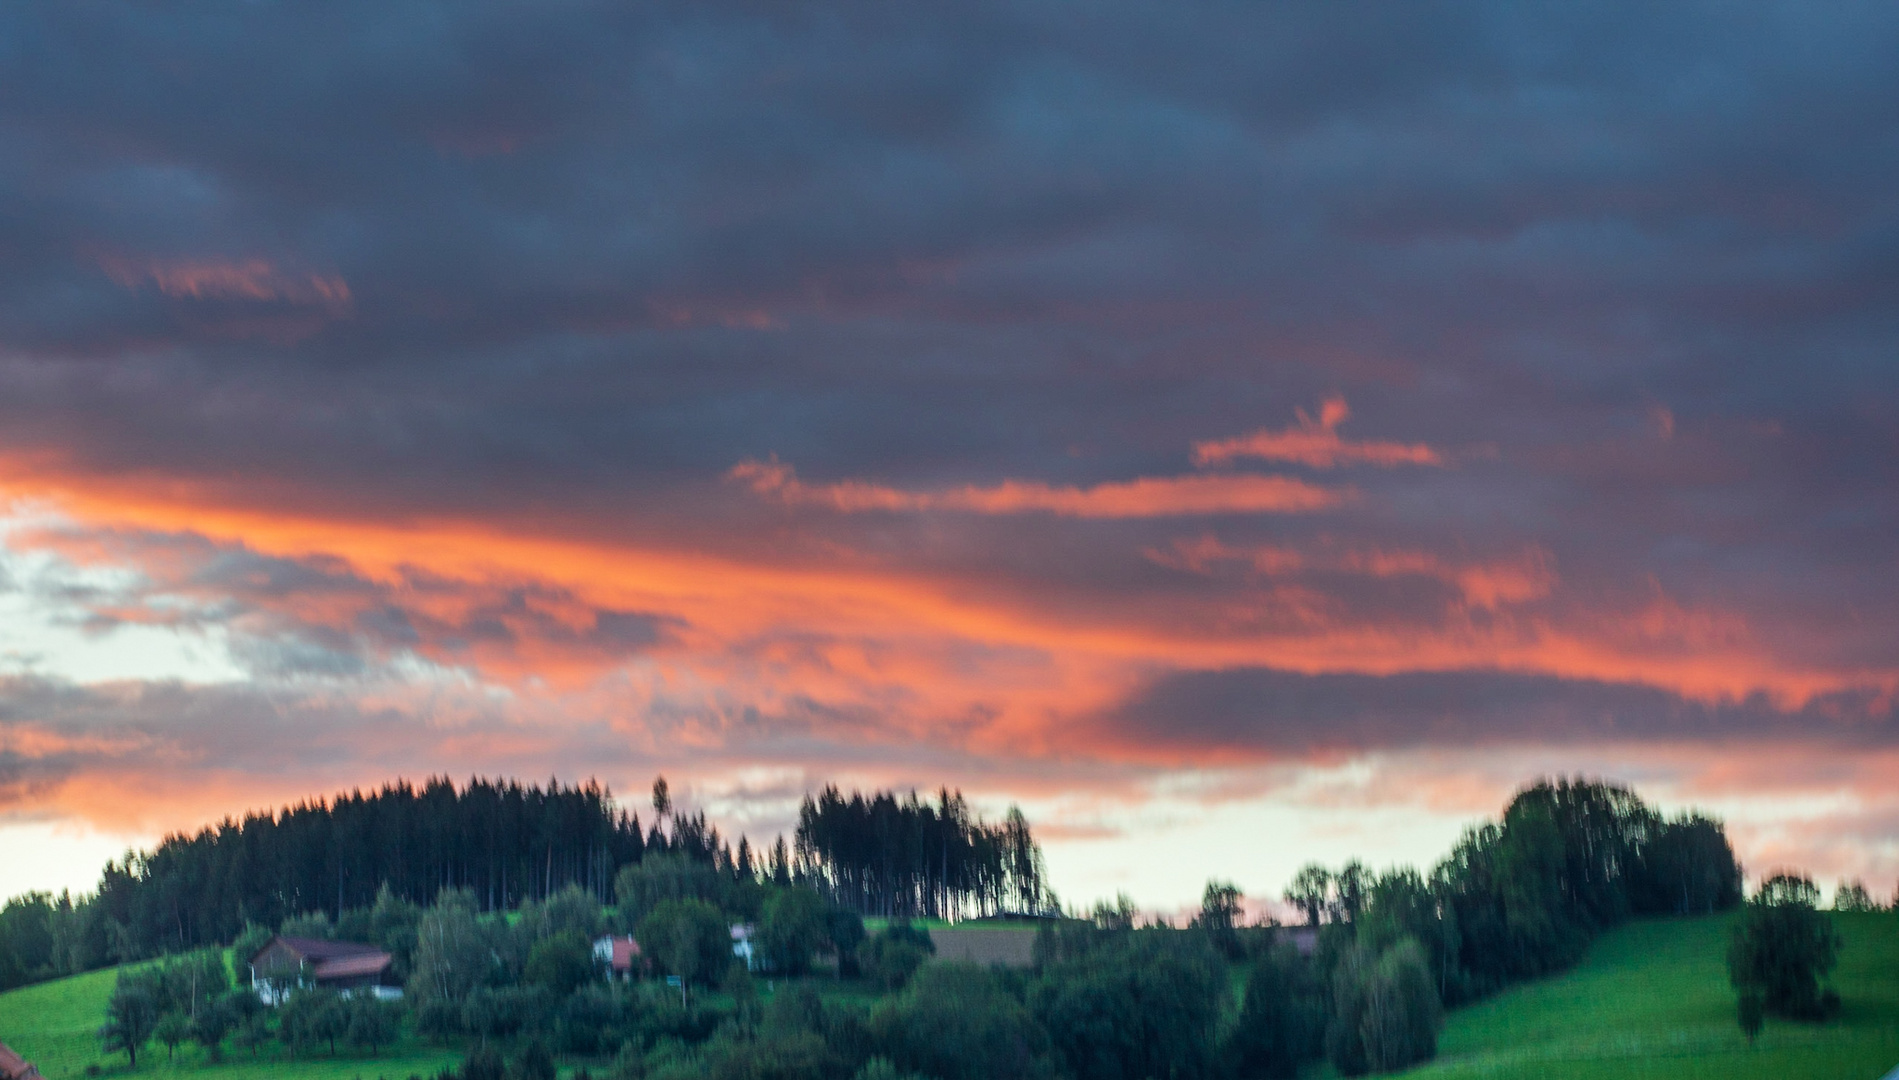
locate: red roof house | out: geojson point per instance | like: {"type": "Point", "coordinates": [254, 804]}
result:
{"type": "Point", "coordinates": [620, 953]}
{"type": "Point", "coordinates": [15, 1067]}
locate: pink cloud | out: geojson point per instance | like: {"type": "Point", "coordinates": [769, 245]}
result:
{"type": "Point", "coordinates": [1139, 498]}
{"type": "Point", "coordinates": [1315, 443]}
{"type": "Point", "coordinates": [1529, 575]}
{"type": "Point", "coordinates": [214, 279]}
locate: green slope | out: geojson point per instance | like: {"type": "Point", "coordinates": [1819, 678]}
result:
{"type": "Point", "coordinates": [1652, 1000]}
{"type": "Point", "coordinates": [53, 1025]}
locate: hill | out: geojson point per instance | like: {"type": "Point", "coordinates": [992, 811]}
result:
{"type": "Point", "coordinates": [52, 1024]}
{"type": "Point", "coordinates": [1651, 999]}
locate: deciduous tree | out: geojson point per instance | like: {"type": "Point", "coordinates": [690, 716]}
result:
{"type": "Point", "coordinates": [1782, 948]}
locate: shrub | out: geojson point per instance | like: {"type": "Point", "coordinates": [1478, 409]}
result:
{"type": "Point", "coordinates": [1282, 1021]}
{"type": "Point", "coordinates": [687, 938]}
{"type": "Point", "coordinates": [561, 963]}
{"type": "Point", "coordinates": [1782, 947]}
{"type": "Point", "coordinates": [1141, 1004]}
{"type": "Point", "coordinates": [959, 1022]}
{"type": "Point", "coordinates": [131, 1014]}
{"type": "Point", "coordinates": [792, 929]}
{"type": "Point", "coordinates": [1385, 1010]}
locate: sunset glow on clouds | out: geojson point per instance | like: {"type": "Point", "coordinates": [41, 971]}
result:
{"type": "Point", "coordinates": [1155, 419]}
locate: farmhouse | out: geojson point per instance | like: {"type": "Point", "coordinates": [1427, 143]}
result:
{"type": "Point", "coordinates": [15, 1067]}
{"type": "Point", "coordinates": [288, 963]}
{"type": "Point", "coordinates": [620, 954]}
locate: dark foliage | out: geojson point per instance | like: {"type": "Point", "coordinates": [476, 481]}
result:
{"type": "Point", "coordinates": [880, 855]}
{"type": "Point", "coordinates": [1385, 1011]}
{"type": "Point", "coordinates": [1140, 1004]}
{"type": "Point", "coordinates": [1282, 1020]}
{"type": "Point", "coordinates": [689, 939]}
{"type": "Point", "coordinates": [1783, 947]}
{"type": "Point", "coordinates": [1568, 860]}
{"type": "Point", "coordinates": [959, 1022]}
{"type": "Point", "coordinates": [501, 840]}
{"type": "Point", "coordinates": [131, 1017]}
{"type": "Point", "coordinates": [894, 954]}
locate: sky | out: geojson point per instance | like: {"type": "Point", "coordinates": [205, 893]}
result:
{"type": "Point", "coordinates": [1240, 434]}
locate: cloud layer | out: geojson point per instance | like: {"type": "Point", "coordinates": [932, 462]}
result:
{"type": "Point", "coordinates": [1070, 404]}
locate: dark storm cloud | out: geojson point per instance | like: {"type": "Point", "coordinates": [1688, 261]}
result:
{"type": "Point", "coordinates": [1280, 713]}
{"type": "Point", "coordinates": [620, 241]}
{"type": "Point", "coordinates": [1627, 273]}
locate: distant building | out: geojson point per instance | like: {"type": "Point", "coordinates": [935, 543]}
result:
{"type": "Point", "coordinates": [15, 1067]}
{"type": "Point", "coordinates": [620, 954]}
{"type": "Point", "coordinates": [1303, 938]}
{"type": "Point", "coordinates": [742, 946]}
{"type": "Point", "coordinates": [975, 943]}
{"type": "Point", "coordinates": [285, 964]}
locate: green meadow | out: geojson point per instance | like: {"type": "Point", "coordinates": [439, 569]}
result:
{"type": "Point", "coordinates": [53, 1024]}
{"type": "Point", "coordinates": [1651, 1000]}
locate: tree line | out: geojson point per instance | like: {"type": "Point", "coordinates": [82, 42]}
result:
{"type": "Point", "coordinates": [1363, 986]}
{"type": "Point", "coordinates": [500, 843]}
{"type": "Point", "coordinates": [906, 858]}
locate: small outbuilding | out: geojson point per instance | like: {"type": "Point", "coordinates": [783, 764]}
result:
{"type": "Point", "coordinates": [285, 964]}
{"type": "Point", "coordinates": [742, 945]}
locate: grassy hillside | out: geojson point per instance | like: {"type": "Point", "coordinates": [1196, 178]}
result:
{"type": "Point", "coordinates": [1652, 1000]}
{"type": "Point", "coordinates": [52, 1025]}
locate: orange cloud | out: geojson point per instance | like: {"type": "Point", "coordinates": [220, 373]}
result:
{"type": "Point", "coordinates": [965, 660]}
{"type": "Point", "coordinates": [1140, 498]}
{"type": "Point", "coordinates": [1315, 443]}
{"type": "Point", "coordinates": [1528, 576]}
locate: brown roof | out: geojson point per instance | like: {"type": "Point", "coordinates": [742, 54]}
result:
{"type": "Point", "coordinates": [626, 953]}
{"type": "Point", "coordinates": [349, 967]}
{"type": "Point", "coordinates": [15, 1067]}
{"type": "Point", "coordinates": [317, 950]}
{"type": "Point", "coordinates": [329, 959]}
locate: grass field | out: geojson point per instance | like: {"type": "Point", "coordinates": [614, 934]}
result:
{"type": "Point", "coordinates": [1651, 1000]}
{"type": "Point", "coordinates": [53, 1025]}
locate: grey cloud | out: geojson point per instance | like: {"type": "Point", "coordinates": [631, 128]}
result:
{"type": "Point", "coordinates": [599, 253]}
{"type": "Point", "coordinates": [1271, 712]}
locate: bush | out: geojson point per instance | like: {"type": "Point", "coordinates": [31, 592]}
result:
{"type": "Point", "coordinates": [645, 885]}
{"type": "Point", "coordinates": [895, 954]}
{"type": "Point", "coordinates": [845, 929]}
{"type": "Point", "coordinates": [313, 1016]}
{"type": "Point", "coordinates": [1141, 1004]}
{"type": "Point", "coordinates": [792, 929]}
{"type": "Point", "coordinates": [1385, 1011]}
{"type": "Point", "coordinates": [1783, 946]}
{"type": "Point", "coordinates": [561, 963]}
{"type": "Point", "coordinates": [502, 1011]}
{"type": "Point", "coordinates": [247, 943]}
{"type": "Point", "coordinates": [535, 1063]}
{"type": "Point", "coordinates": [687, 938]}
{"type": "Point", "coordinates": [959, 1022]}
{"type": "Point", "coordinates": [1282, 1020]}
{"type": "Point", "coordinates": [214, 1021]}
{"type": "Point", "coordinates": [373, 1023]}
{"type": "Point", "coordinates": [589, 1021]}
